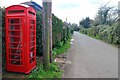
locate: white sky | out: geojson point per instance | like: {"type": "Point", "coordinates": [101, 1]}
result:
{"type": "Point", "coordinates": [73, 10]}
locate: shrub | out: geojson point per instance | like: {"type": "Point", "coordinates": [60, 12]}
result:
{"type": "Point", "coordinates": [39, 33]}
{"type": "Point", "coordinates": [106, 33]}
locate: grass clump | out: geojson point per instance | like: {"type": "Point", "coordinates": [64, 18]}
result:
{"type": "Point", "coordinates": [61, 49]}
{"type": "Point", "coordinates": [53, 72]}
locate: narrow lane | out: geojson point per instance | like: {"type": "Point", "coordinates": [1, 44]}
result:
{"type": "Point", "coordinates": [91, 58]}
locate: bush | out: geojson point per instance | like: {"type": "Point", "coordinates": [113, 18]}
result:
{"type": "Point", "coordinates": [39, 33]}
{"type": "Point", "coordinates": [109, 34]}
{"type": "Point", "coordinates": [61, 49]}
{"type": "Point", "coordinates": [3, 39]}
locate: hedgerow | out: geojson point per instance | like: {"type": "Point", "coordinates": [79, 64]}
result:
{"type": "Point", "coordinates": [109, 34]}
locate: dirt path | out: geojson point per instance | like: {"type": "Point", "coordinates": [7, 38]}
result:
{"type": "Point", "coordinates": [91, 58]}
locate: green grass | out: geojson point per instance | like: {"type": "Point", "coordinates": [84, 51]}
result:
{"type": "Point", "coordinates": [62, 49]}
{"type": "Point", "coordinates": [40, 72]}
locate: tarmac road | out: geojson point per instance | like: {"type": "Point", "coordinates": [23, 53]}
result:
{"type": "Point", "coordinates": [91, 58]}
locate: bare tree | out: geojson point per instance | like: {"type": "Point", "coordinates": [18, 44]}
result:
{"type": "Point", "coordinates": [106, 14]}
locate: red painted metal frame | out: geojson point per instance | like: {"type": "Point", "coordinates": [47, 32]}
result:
{"type": "Point", "coordinates": [20, 27]}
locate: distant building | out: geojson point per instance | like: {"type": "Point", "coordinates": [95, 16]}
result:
{"type": "Point", "coordinates": [33, 4]}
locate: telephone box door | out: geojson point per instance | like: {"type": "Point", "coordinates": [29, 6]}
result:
{"type": "Point", "coordinates": [15, 45]}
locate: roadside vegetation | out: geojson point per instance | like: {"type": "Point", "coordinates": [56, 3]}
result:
{"type": "Point", "coordinates": [61, 49]}
{"type": "Point", "coordinates": [109, 34]}
{"type": "Point", "coordinates": [60, 35]}
{"type": "Point", "coordinates": [105, 25]}
{"type": "Point", "coordinates": [53, 71]}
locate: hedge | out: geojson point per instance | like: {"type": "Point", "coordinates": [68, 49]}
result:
{"type": "Point", "coordinates": [109, 34]}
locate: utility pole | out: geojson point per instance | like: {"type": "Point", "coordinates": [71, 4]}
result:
{"type": "Point", "coordinates": [50, 24]}
{"type": "Point", "coordinates": [119, 13]}
{"type": "Point", "coordinates": [47, 28]}
{"type": "Point", "coordinates": [119, 36]}
{"type": "Point", "coordinates": [66, 20]}
{"type": "Point", "coordinates": [0, 42]}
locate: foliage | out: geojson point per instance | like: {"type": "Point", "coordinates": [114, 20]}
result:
{"type": "Point", "coordinates": [75, 27]}
{"type": "Point", "coordinates": [3, 37]}
{"type": "Point", "coordinates": [105, 25]}
{"type": "Point", "coordinates": [106, 33]}
{"type": "Point", "coordinates": [61, 49]}
{"type": "Point", "coordinates": [85, 22]}
{"type": "Point", "coordinates": [39, 33]}
{"type": "Point", "coordinates": [57, 31]}
{"type": "Point", "coordinates": [3, 28]}
{"type": "Point", "coordinates": [53, 72]}
{"type": "Point", "coordinates": [106, 15]}
{"type": "Point", "coordinates": [58, 34]}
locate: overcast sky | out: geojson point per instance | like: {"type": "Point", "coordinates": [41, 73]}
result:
{"type": "Point", "coordinates": [73, 10]}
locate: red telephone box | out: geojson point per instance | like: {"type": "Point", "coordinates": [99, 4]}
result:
{"type": "Point", "coordinates": [20, 38]}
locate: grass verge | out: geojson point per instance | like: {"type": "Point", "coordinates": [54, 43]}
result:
{"type": "Point", "coordinates": [62, 49]}
{"type": "Point", "coordinates": [53, 72]}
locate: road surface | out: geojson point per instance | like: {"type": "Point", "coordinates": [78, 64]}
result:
{"type": "Point", "coordinates": [91, 58]}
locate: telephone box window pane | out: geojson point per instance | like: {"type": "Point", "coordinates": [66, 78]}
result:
{"type": "Point", "coordinates": [32, 43]}
{"type": "Point", "coordinates": [32, 60]}
{"type": "Point", "coordinates": [32, 49]}
{"type": "Point", "coordinates": [15, 11]}
{"type": "Point", "coordinates": [15, 62]}
{"type": "Point", "coordinates": [15, 57]}
{"type": "Point", "coordinates": [15, 51]}
{"type": "Point", "coordinates": [15, 39]}
{"type": "Point", "coordinates": [15, 45]}
{"type": "Point", "coordinates": [32, 13]}
{"type": "Point", "coordinates": [14, 27]}
{"type": "Point", "coordinates": [12, 21]}
{"type": "Point", "coordinates": [31, 54]}
{"type": "Point", "coordinates": [14, 33]}
{"type": "Point", "coordinates": [32, 33]}
{"type": "Point", "coordinates": [32, 24]}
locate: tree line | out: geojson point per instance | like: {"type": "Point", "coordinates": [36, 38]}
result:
{"type": "Point", "coordinates": [104, 26]}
